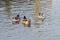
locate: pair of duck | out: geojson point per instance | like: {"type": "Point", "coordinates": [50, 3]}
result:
{"type": "Point", "coordinates": [24, 21]}
{"type": "Point", "coordinates": [41, 16]}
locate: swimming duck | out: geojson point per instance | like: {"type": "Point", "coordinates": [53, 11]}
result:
{"type": "Point", "coordinates": [16, 19]}
{"type": "Point", "coordinates": [41, 16]}
{"type": "Point", "coordinates": [25, 21]}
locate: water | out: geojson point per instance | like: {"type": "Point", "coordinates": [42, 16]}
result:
{"type": "Point", "coordinates": [49, 29]}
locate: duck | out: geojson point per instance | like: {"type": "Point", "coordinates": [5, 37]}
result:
{"type": "Point", "coordinates": [16, 19]}
{"type": "Point", "coordinates": [41, 16]}
{"type": "Point", "coordinates": [25, 21]}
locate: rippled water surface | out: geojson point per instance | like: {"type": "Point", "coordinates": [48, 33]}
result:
{"type": "Point", "coordinates": [49, 29]}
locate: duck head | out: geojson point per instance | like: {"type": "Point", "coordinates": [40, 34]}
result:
{"type": "Point", "coordinates": [17, 15]}
{"type": "Point", "coordinates": [24, 17]}
{"type": "Point", "coordinates": [39, 13]}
